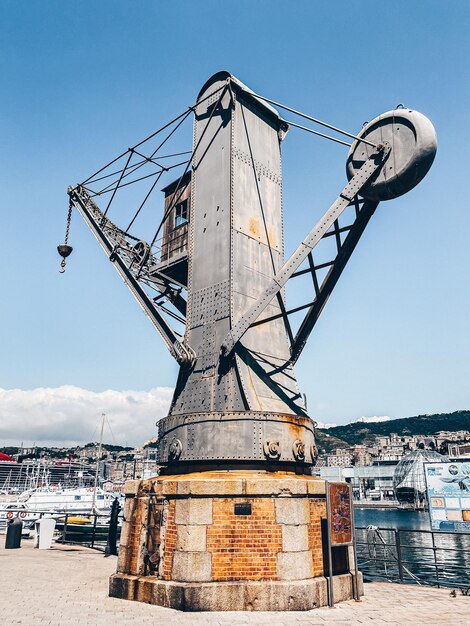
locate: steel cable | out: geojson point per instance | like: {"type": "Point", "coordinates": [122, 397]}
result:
{"type": "Point", "coordinates": [312, 119]}
{"type": "Point", "coordinates": [175, 119]}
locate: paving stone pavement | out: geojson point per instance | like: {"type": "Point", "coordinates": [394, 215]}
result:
{"type": "Point", "coordinates": [69, 584]}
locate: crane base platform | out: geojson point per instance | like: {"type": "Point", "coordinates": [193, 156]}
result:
{"type": "Point", "coordinates": [296, 595]}
{"type": "Point", "coordinates": [229, 541]}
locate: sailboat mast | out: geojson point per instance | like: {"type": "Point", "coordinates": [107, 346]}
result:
{"type": "Point", "coordinates": [103, 415]}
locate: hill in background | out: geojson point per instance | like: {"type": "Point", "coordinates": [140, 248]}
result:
{"type": "Point", "coordinates": [365, 432]}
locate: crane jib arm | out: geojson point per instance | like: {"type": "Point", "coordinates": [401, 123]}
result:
{"type": "Point", "coordinates": [115, 247]}
{"type": "Point", "coordinates": [358, 182]}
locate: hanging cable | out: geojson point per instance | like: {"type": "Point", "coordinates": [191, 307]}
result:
{"type": "Point", "coordinates": [315, 132]}
{"type": "Point", "coordinates": [149, 159]}
{"type": "Point", "coordinates": [144, 201]}
{"type": "Point", "coordinates": [136, 166]}
{"type": "Point", "coordinates": [185, 113]}
{"type": "Point", "coordinates": [119, 182]}
{"type": "Point", "coordinates": [312, 119]}
{"type": "Point", "coordinates": [167, 156]}
{"type": "Point", "coordinates": [163, 142]}
{"type": "Point", "coordinates": [129, 169]}
{"type": "Point", "coordinates": [145, 160]}
{"type": "Point", "coordinates": [110, 187]}
{"type": "Point", "coordinates": [137, 145]}
{"type": "Point", "coordinates": [96, 180]}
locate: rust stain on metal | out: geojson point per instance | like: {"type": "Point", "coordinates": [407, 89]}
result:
{"type": "Point", "coordinates": [253, 227]}
{"type": "Point", "coordinates": [272, 236]}
{"type": "Point", "coordinates": [295, 430]}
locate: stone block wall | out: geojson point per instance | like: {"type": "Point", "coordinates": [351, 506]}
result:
{"type": "Point", "coordinates": [203, 540]}
{"type": "Point", "coordinates": [183, 545]}
{"type": "Point", "coordinates": [134, 533]}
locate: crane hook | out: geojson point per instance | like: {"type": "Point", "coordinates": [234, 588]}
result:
{"type": "Point", "coordinates": [64, 249]}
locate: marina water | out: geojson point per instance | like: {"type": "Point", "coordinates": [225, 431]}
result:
{"type": "Point", "coordinates": [392, 518]}
{"type": "Point", "coordinates": [404, 549]}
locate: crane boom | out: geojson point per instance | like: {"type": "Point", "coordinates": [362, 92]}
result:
{"type": "Point", "coordinates": [134, 264]}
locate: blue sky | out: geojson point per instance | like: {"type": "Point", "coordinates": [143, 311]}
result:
{"type": "Point", "coordinates": [84, 80]}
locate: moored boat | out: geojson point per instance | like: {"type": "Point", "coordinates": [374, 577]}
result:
{"type": "Point", "coordinates": [68, 500]}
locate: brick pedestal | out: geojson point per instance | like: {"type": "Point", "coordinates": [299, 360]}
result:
{"type": "Point", "coordinates": [217, 541]}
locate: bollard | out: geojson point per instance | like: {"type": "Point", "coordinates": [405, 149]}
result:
{"type": "Point", "coordinates": [13, 538]}
{"type": "Point", "coordinates": [44, 533]}
{"type": "Point", "coordinates": [111, 544]}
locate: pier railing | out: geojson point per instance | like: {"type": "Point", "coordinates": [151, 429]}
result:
{"type": "Point", "coordinates": [424, 557]}
{"type": "Point", "coordinates": [92, 534]}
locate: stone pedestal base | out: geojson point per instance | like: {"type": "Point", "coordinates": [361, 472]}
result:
{"type": "Point", "coordinates": [296, 595]}
{"type": "Point", "coordinates": [225, 541]}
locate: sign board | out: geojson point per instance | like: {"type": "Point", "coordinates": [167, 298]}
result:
{"type": "Point", "coordinates": [448, 492]}
{"type": "Point", "coordinates": [340, 520]}
{"type": "Point", "coordinates": [339, 514]}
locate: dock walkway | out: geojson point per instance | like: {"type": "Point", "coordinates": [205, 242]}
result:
{"type": "Point", "coordinates": [69, 584]}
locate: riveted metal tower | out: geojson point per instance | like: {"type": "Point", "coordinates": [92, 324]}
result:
{"type": "Point", "coordinates": [236, 520]}
{"type": "Point", "coordinates": [236, 401]}
{"type": "Point", "coordinates": [245, 406]}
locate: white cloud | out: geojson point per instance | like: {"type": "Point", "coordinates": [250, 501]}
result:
{"type": "Point", "coordinates": [70, 415]}
{"type": "Point", "coordinates": [323, 425]}
{"type": "Point", "coordinates": [374, 418]}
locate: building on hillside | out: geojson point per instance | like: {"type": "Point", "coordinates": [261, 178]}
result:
{"type": "Point", "coordinates": [344, 459]}
{"type": "Point", "coordinates": [459, 450]}
{"type": "Point", "coordinates": [361, 455]}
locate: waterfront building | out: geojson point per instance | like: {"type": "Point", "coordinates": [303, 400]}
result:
{"type": "Point", "coordinates": [409, 481]}
{"type": "Point", "coordinates": [372, 482]}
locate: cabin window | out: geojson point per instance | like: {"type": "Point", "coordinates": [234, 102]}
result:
{"type": "Point", "coordinates": [100, 497]}
{"type": "Point", "coordinates": [181, 213]}
{"type": "Point", "coordinates": [78, 497]}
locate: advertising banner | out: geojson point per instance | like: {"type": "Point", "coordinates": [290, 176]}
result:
{"type": "Point", "coordinates": [448, 492]}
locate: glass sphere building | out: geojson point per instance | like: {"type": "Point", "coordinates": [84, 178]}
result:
{"type": "Point", "coordinates": [409, 482]}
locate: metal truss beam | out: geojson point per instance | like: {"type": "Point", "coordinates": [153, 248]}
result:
{"type": "Point", "coordinates": [337, 266]}
{"type": "Point", "coordinates": [129, 263]}
{"type": "Point", "coordinates": [323, 292]}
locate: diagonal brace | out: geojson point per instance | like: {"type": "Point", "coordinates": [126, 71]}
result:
{"type": "Point", "coordinates": [324, 291]}
{"type": "Point", "coordinates": [361, 178]}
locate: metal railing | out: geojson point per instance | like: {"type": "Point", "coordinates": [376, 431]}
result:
{"type": "Point", "coordinates": [93, 534]}
{"type": "Point", "coordinates": [424, 557]}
